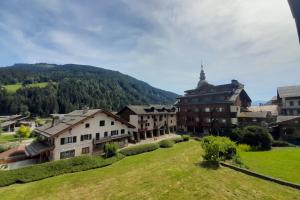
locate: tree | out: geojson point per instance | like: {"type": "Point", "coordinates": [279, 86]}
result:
{"type": "Point", "coordinates": [24, 131]}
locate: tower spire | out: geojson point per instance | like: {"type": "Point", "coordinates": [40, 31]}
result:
{"type": "Point", "coordinates": [202, 73]}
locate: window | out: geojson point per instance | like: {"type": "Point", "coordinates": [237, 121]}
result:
{"type": "Point", "coordinates": [115, 132]}
{"type": "Point", "coordinates": [149, 115]}
{"type": "Point", "coordinates": [102, 123]}
{"type": "Point", "coordinates": [86, 137]}
{"type": "Point", "coordinates": [67, 154]}
{"type": "Point", "coordinates": [68, 140]}
{"type": "Point", "coordinates": [171, 121]}
{"type": "Point", "coordinates": [85, 150]}
{"type": "Point", "coordinates": [299, 103]}
{"type": "Point", "coordinates": [220, 109]}
{"type": "Point", "coordinates": [298, 111]}
{"type": "Point", "coordinates": [207, 109]}
{"type": "Point", "coordinates": [291, 103]}
{"type": "Point", "coordinates": [224, 121]}
{"type": "Point", "coordinates": [112, 123]}
{"type": "Point", "coordinates": [87, 125]}
{"type": "Point", "coordinates": [97, 136]}
{"type": "Point", "coordinates": [105, 134]}
{"type": "Point", "coordinates": [122, 131]}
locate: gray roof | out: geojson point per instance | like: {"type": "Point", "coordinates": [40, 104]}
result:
{"type": "Point", "coordinates": [36, 148]}
{"type": "Point", "coordinates": [289, 91]}
{"type": "Point", "coordinates": [72, 119]}
{"type": "Point", "coordinates": [270, 108]}
{"type": "Point", "coordinates": [284, 118]}
{"type": "Point", "coordinates": [152, 109]}
{"type": "Point", "coordinates": [262, 114]}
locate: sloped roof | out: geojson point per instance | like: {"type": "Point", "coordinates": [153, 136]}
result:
{"type": "Point", "coordinates": [36, 148]}
{"type": "Point", "coordinates": [72, 119]}
{"type": "Point", "coordinates": [284, 118]}
{"type": "Point", "coordinates": [289, 91]}
{"type": "Point", "coordinates": [269, 108]}
{"type": "Point", "coordinates": [151, 109]}
{"type": "Point", "coordinates": [263, 114]}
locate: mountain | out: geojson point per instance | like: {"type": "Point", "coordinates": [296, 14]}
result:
{"type": "Point", "coordinates": [259, 102]}
{"type": "Point", "coordinates": [68, 87]}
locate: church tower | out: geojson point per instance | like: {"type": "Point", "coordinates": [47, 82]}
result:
{"type": "Point", "coordinates": [202, 78]}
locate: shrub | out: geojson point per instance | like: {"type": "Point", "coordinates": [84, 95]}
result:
{"type": "Point", "coordinates": [218, 148]}
{"type": "Point", "coordinates": [177, 139]}
{"type": "Point", "coordinates": [45, 170]}
{"type": "Point", "coordinates": [258, 137]}
{"type": "Point", "coordinates": [185, 137]}
{"type": "Point", "coordinates": [166, 143]}
{"type": "Point", "coordinates": [281, 143]}
{"type": "Point", "coordinates": [111, 149]}
{"type": "Point", "coordinates": [236, 134]}
{"type": "Point", "coordinates": [244, 147]}
{"type": "Point", "coordinates": [24, 131]}
{"type": "Point", "coordinates": [134, 150]}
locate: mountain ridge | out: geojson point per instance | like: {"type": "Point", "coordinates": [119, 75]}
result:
{"type": "Point", "coordinates": [72, 86]}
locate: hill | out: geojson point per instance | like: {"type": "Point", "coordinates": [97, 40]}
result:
{"type": "Point", "coordinates": [172, 173]}
{"type": "Point", "coordinates": [68, 87]}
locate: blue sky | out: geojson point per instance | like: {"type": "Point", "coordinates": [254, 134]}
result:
{"type": "Point", "coordinates": [160, 42]}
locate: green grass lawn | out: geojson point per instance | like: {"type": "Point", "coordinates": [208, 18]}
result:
{"type": "Point", "coordinates": [14, 87]}
{"type": "Point", "coordinates": [282, 163]}
{"type": "Point", "coordinates": [172, 173]}
{"type": "Point", "coordinates": [7, 138]}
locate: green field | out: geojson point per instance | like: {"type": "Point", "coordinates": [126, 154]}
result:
{"type": "Point", "coordinates": [172, 173]}
{"type": "Point", "coordinates": [7, 138]}
{"type": "Point", "coordinates": [282, 163]}
{"type": "Point", "coordinates": [14, 87]}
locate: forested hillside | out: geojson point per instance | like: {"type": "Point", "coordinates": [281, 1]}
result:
{"type": "Point", "coordinates": [73, 87]}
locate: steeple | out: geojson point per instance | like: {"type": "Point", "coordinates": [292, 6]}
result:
{"type": "Point", "coordinates": [202, 80]}
{"type": "Point", "coordinates": [202, 74]}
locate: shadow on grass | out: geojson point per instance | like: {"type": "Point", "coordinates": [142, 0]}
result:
{"type": "Point", "coordinates": [208, 165]}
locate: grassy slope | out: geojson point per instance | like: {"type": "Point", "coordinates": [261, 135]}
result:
{"type": "Point", "coordinates": [283, 163]}
{"type": "Point", "coordinates": [7, 138]}
{"type": "Point", "coordinates": [163, 174]}
{"type": "Point", "coordinates": [13, 88]}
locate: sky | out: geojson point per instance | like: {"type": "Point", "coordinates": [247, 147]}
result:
{"type": "Point", "coordinates": [161, 42]}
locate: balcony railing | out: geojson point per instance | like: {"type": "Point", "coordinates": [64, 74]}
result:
{"type": "Point", "coordinates": [110, 138]}
{"type": "Point", "coordinates": [142, 121]}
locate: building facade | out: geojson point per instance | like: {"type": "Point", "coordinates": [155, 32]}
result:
{"type": "Point", "coordinates": [288, 100]}
{"type": "Point", "coordinates": [211, 108]}
{"type": "Point", "coordinates": [150, 120]}
{"type": "Point", "coordinates": [77, 133]}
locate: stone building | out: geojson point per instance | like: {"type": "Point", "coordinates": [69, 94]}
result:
{"type": "Point", "coordinates": [150, 120]}
{"type": "Point", "coordinates": [211, 108]}
{"type": "Point", "coordinates": [288, 100]}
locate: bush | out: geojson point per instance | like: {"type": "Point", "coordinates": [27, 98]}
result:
{"type": "Point", "coordinates": [244, 147]}
{"type": "Point", "coordinates": [24, 131]}
{"type": "Point", "coordinates": [185, 138]}
{"type": "Point", "coordinates": [281, 143]}
{"type": "Point", "coordinates": [257, 136]}
{"type": "Point", "coordinates": [218, 148]}
{"type": "Point", "coordinates": [134, 150]}
{"type": "Point", "coordinates": [236, 134]}
{"type": "Point", "coordinates": [111, 149]}
{"type": "Point", "coordinates": [166, 143]}
{"type": "Point", "coordinates": [45, 170]}
{"type": "Point", "coordinates": [177, 139]}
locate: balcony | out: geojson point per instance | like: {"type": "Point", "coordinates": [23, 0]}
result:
{"type": "Point", "coordinates": [142, 121]}
{"type": "Point", "coordinates": [110, 138]}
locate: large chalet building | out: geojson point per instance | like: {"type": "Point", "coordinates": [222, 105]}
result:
{"type": "Point", "coordinates": [151, 121]}
{"type": "Point", "coordinates": [211, 108]}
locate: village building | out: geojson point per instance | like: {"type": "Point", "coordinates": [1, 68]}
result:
{"type": "Point", "coordinates": [151, 121]}
{"type": "Point", "coordinates": [211, 108]}
{"type": "Point", "coordinates": [77, 133]}
{"type": "Point", "coordinates": [260, 118]}
{"type": "Point", "coordinates": [288, 100]}
{"type": "Point", "coordinates": [10, 123]}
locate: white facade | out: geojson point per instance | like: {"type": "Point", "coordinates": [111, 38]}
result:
{"type": "Point", "coordinates": [89, 126]}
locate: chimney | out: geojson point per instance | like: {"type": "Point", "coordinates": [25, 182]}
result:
{"type": "Point", "coordinates": [55, 119]}
{"type": "Point", "coordinates": [85, 110]}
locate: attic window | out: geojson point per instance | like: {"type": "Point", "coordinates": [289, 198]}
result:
{"type": "Point", "coordinates": [87, 125]}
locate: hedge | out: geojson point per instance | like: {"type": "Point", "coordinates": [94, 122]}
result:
{"type": "Point", "coordinates": [177, 139]}
{"type": "Point", "coordinates": [281, 143]}
{"type": "Point", "coordinates": [55, 168]}
{"type": "Point", "coordinates": [166, 143]}
{"type": "Point", "coordinates": [129, 151]}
